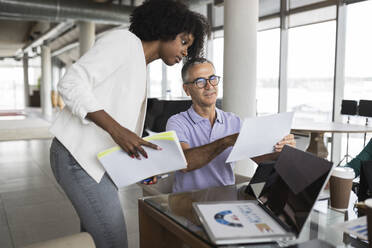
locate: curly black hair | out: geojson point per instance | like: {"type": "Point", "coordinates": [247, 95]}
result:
{"type": "Point", "coordinates": [165, 19]}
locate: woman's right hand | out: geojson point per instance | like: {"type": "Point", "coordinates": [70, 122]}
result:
{"type": "Point", "coordinates": [130, 142]}
{"type": "Point", "coordinates": [122, 136]}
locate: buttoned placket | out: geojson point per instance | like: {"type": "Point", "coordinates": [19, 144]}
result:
{"type": "Point", "coordinates": [214, 130]}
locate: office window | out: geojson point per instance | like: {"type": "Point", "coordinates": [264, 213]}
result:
{"type": "Point", "coordinates": [358, 65]}
{"type": "Point", "coordinates": [268, 7]}
{"type": "Point", "coordinates": [11, 87]}
{"type": "Point", "coordinates": [12, 82]}
{"type": "Point", "coordinates": [358, 57]}
{"type": "Point", "coordinates": [268, 50]}
{"type": "Point", "coordinates": [267, 24]}
{"type": "Point", "coordinates": [174, 79]}
{"type": "Point", "coordinates": [311, 54]}
{"type": "Point", "coordinates": [301, 3]}
{"type": "Point", "coordinates": [154, 79]}
{"type": "Point", "coordinates": [313, 16]}
{"type": "Point", "coordinates": [217, 16]}
{"type": "Point", "coordinates": [217, 58]}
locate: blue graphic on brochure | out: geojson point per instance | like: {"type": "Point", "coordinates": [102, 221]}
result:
{"type": "Point", "coordinates": [227, 217]}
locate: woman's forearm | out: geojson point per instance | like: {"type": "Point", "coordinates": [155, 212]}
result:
{"type": "Point", "coordinates": [102, 119]}
{"type": "Point", "coordinates": [200, 156]}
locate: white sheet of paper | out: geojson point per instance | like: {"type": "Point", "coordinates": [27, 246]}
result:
{"type": "Point", "coordinates": [125, 170]}
{"type": "Point", "coordinates": [321, 206]}
{"type": "Point", "coordinates": [259, 135]}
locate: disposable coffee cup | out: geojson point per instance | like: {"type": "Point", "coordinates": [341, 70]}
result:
{"type": "Point", "coordinates": [368, 210]}
{"type": "Point", "coordinates": [340, 187]}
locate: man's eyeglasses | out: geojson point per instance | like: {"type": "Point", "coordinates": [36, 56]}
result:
{"type": "Point", "coordinates": [202, 82]}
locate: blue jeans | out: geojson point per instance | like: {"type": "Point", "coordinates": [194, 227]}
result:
{"type": "Point", "coordinates": [97, 204]}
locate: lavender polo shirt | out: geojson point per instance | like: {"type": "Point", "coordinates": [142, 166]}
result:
{"type": "Point", "coordinates": [196, 131]}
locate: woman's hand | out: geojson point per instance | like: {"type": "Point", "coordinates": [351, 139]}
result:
{"type": "Point", "coordinates": [287, 140]}
{"type": "Point", "coordinates": [122, 136]}
{"type": "Point", "coordinates": [130, 142]}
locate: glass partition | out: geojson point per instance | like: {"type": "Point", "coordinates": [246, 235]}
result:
{"type": "Point", "coordinates": [358, 66]}
{"type": "Point", "coordinates": [311, 56]}
{"type": "Point", "coordinates": [267, 92]}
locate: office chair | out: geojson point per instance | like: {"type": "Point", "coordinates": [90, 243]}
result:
{"type": "Point", "coordinates": [365, 109]}
{"type": "Point", "coordinates": [348, 107]}
{"type": "Point", "coordinates": [159, 111]}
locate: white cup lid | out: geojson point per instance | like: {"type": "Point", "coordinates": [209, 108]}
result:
{"type": "Point", "coordinates": [343, 172]}
{"type": "Point", "coordinates": [368, 203]}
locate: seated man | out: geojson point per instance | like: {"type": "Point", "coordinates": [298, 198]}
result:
{"type": "Point", "coordinates": [207, 133]}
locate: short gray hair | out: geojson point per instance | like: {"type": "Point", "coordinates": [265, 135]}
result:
{"type": "Point", "coordinates": [190, 63]}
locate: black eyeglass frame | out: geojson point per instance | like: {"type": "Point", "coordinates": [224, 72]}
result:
{"type": "Point", "coordinates": [206, 80]}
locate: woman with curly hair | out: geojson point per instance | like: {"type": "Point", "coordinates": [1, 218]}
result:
{"type": "Point", "coordinates": [105, 97]}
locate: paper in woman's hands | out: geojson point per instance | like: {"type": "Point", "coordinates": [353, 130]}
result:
{"type": "Point", "coordinates": [125, 170]}
{"type": "Point", "coordinates": [259, 135]}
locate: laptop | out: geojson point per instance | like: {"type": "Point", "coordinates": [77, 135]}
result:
{"type": "Point", "coordinates": [257, 183]}
{"type": "Point", "coordinates": [282, 206]}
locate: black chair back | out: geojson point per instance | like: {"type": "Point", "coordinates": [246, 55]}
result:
{"type": "Point", "coordinates": [159, 111]}
{"type": "Point", "coordinates": [365, 108]}
{"type": "Point", "coordinates": [349, 107]}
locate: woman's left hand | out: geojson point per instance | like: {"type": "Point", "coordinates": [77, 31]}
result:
{"type": "Point", "coordinates": [287, 140]}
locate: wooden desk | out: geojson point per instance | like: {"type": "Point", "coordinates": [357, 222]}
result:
{"type": "Point", "coordinates": [157, 230]}
{"type": "Point", "coordinates": [317, 130]}
{"type": "Point", "coordinates": [169, 220]}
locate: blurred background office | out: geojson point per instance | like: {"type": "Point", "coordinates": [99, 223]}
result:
{"type": "Point", "coordinates": [310, 54]}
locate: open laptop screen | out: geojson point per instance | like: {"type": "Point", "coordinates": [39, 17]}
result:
{"type": "Point", "coordinates": [291, 192]}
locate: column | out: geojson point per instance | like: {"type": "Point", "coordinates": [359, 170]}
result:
{"type": "Point", "coordinates": [86, 36]}
{"type": "Point", "coordinates": [209, 43]}
{"type": "Point", "coordinates": [25, 80]}
{"type": "Point", "coordinates": [55, 79]}
{"type": "Point", "coordinates": [240, 63]}
{"type": "Point", "coordinates": [46, 81]}
{"type": "Point", "coordinates": [283, 65]}
{"type": "Point", "coordinates": [240, 57]}
{"type": "Point", "coordinates": [339, 78]}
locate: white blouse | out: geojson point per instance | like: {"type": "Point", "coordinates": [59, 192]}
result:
{"type": "Point", "coordinates": [110, 76]}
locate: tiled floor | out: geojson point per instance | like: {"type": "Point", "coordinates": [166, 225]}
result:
{"type": "Point", "coordinates": [33, 207]}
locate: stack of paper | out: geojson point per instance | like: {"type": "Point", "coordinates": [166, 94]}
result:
{"type": "Point", "coordinates": [125, 170]}
{"type": "Point", "coordinates": [357, 227]}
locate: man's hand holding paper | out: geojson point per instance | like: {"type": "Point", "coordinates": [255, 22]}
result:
{"type": "Point", "coordinates": [287, 140]}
